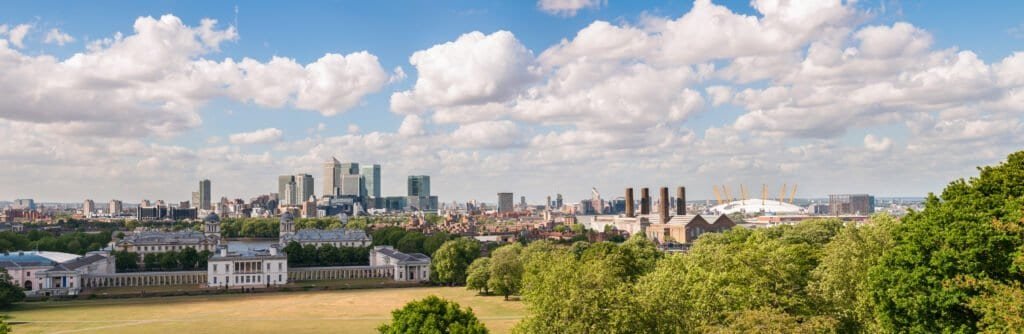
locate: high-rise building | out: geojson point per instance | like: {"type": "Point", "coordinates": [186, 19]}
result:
{"type": "Point", "coordinates": [371, 175]}
{"type": "Point", "coordinates": [332, 177]}
{"type": "Point", "coordinates": [419, 185]}
{"type": "Point", "coordinates": [204, 195]}
{"type": "Point", "coordinates": [851, 204]}
{"type": "Point", "coordinates": [558, 201]}
{"type": "Point", "coordinates": [88, 208]}
{"type": "Point", "coordinates": [115, 207]}
{"type": "Point", "coordinates": [350, 168]}
{"type": "Point", "coordinates": [303, 187]}
{"type": "Point", "coordinates": [195, 199]}
{"type": "Point", "coordinates": [352, 185]}
{"type": "Point", "coordinates": [505, 201]}
{"type": "Point", "coordinates": [25, 204]}
{"type": "Point", "coordinates": [285, 194]}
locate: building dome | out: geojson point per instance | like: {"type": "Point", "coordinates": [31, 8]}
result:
{"type": "Point", "coordinates": [287, 217]}
{"type": "Point", "coordinates": [211, 218]}
{"type": "Point", "coordinates": [757, 205]}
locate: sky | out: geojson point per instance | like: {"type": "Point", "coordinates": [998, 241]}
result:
{"type": "Point", "coordinates": [141, 100]}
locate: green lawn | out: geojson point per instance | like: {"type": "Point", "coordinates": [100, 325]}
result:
{"type": "Point", "coordinates": [341, 311]}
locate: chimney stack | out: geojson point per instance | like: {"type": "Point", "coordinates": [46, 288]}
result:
{"type": "Point", "coordinates": [645, 201]}
{"type": "Point", "coordinates": [681, 201]}
{"type": "Point", "coordinates": [663, 205]}
{"type": "Point", "coordinates": [629, 203]}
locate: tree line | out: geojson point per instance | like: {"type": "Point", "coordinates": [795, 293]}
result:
{"type": "Point", "coordinates": [68, 242]}
{"type": "Point", "coordinates": [186, 259]}
{"type": "Point", "coordinates": [326, 255]}
{"type": "Point", "coordinates": [956, 266]}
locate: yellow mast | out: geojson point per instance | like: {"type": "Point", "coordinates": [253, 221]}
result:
{"type": "Point", "coordinates": [792, 194]}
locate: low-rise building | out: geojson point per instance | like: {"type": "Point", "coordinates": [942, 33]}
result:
{"type": "Point", "coordinates": [149, 241]}
{"type": "Point", "coordinates": [251, 268]}
{"type": "Point", "coordinates": [53, 273]}
{"type": "Point", "coordinates": [335, 237]}
{"type": "Point", "coordinates": [408, 267]}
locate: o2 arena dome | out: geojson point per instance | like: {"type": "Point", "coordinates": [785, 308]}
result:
{"type": "Point", "coordinates": [757, 205]}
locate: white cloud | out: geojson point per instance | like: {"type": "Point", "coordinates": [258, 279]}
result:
{"type": "Point", "coordinates": [261, 136]}
{"type": "Point", "coordinates": [567, 7]}
{"type": "Point", "coordinates": [353, 129]}
{"type": "Point", "coordinates": [877, 144]}
{"type": "Point", "coordinates": [473, 69]}
{"type": "Point", "coordinates": [487, 134]}
{"type": "Point", "coordinates": [17, 34]}
{"type": "Point", "coordinates": [55, 36]}
{"type": "Point", "coordinates": [412, 126]}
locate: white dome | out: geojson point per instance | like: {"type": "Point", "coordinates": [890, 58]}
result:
{"type": "Point", "coordinates": [756, 205]}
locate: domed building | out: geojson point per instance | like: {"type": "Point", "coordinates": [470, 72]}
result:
{"type": "Point", "coordinates": [757, 206]}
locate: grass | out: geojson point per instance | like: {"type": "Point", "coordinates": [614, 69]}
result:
{"type": "Point", "coordinates": [340, 311]}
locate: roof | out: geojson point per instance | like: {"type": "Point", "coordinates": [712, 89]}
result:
{"type": "Point", "coordinates": [78, 262]}
{"type": "Point", "coordinates": [675, 220]}
{"type": "Point", "coordinates": [212, 218]}
{"type": "Point", "coordinates": [249, 253]}
{"type": "Point", "coordinates": [335, 235]}
{"type": "Point", "coordinates": [754, 205]}
{"type": "Point", "coordinates": [188, 237]}
{"type": "Point", "coordinates": [24, 259]}
{"type": "Point", "coordinates": [402, 258]}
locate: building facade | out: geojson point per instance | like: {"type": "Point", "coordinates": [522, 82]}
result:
{"type": "Point", "coordinates": [253, 268]}
{"type": "Point", "coordinates": [413, 267]}
{"type": "Point", "coordinates": [505, 202]}
{"type": "Point", "coordinates": [205, 199]}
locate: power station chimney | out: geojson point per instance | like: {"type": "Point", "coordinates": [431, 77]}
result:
{"type": "Point", "coordinates": [663, 205]}
{"type": "Point", "coordinates": [645, 201]}
{"type": "Point", "coordinates": [681, 201]}
{"type": "Point", "coordinates": [629, 203]}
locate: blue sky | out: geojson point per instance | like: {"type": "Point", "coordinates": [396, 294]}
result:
{"type": "Point", "coordinates": [392, 32]}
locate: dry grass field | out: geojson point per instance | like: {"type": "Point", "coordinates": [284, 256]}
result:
{"type": "Point", "coordinates": [340, 311]}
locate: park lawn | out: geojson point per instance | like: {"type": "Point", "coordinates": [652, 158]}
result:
{"type": "Point", "coordinates": [339, 311]}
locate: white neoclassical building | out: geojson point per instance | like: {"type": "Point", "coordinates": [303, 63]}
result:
{"type": "Point", "coordinates": [310, 236]}
{"type": "Point", "coordinates": [54, 273]}
{"type": "Point", "coordinates": [150, 241]}
{"type": "Point", "coordinates": [252, 268]}
{"type": "Point", "coordinates": [408, 267]}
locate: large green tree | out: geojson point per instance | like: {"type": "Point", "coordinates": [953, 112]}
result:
{"type": "Point", "coordinates": [452, 259]}
{"type": "Point", "coordinates": [433, 315]}
{"type": "Point", "coordinates": [479, 273]}
{"type": "Point", "coordinates": [960, 235]}
{"type": "Point", "coordinates": [506, 275]}
{"type": "Point", "coordinates": [9, 292]}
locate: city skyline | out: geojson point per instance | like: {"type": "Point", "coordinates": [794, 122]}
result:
{"type": "Point", "coordinates": [543, 100]}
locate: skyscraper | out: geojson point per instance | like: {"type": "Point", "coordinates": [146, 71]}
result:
{"type": "Point", "coordinates": [350, 168]}
{"type": "Point", "coordinates": [352, 185]}
{"type": "Point", "coordinates": [286, 190]}
{"type": "Point", "coordinates": [419, 185]}
{"type": "Point", "coordinates": [505, 202]}
{"type": "Point", "coordinates": [332, 176]}
{"type": "Point", "coordinates": [88, 208]}
{"type": "Point", "coordinates": [115, 207]}
{"type": "Point", "coordinates": [372, 178]}
{"type": "Point", "coordinates": [204, 195]}
{"type": "Point", "coordinates": [303, 187]}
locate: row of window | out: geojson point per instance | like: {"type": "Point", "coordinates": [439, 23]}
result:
{"type": "Point", "coordinates": [240, 266]}
{"type": "Point", "coordinates": [250, 279]}
{"type": "Point", "coordinates": [165, 248]}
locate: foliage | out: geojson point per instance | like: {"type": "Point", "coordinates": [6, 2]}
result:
{"type": "Point", "coordinates": [506, 270]}
{"type": "Point", "coordinates": [186, 259]}
{"type": "Point", "coordinates": [326, 255]}
{"type": "Point", "coordinates": [10, 292]}
{"type": "Point", "coordinates": [767, 320]}
{"type": "Point", "coordinates": [961, 235]}
{"type": "Point", "coordinates": [250, 227]}
{"type": "Point", "coordinates": [450, 262]}
{"type": "Point", "coordinates": [433, 315]}
{"type": "Point", "coordinates": [69, 242]}
{"type": "Point", "coordinates": [410, 241]}
{"type": "Point", "coordinates": [479, 273]}
{"type": "Point", "coordinates": [126, 261]}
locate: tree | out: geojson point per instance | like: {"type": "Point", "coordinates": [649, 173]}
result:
{"type": "Point", "coordinates": [4, 327]}
{"type": "Point", "coordinates": [433, 315]}
{"type": "Point", "coordinates": [328, 255]}
{"type": "Point", "coordinates": [479, 273]}
{"type": "Point", "coordinates": [506, 276]}
{"type": "Point", "coordinates": [188, 258]}
{"type": "Point", "coordinates": [434, 241]}
{"type": "Point", "coordinates": [411, 243]}
{"type": "Point", "coordinates": [309, 255]}
{"type": "Point", "coordinates": [151, 261]}
{"type": "Point", "coordinates": [10, 293]}
{"type": "Point", "coordinates": [294, 252]}
{"type": "Point", "coordinates": [967, 233]}
{"type": "Point", "coordinates": [451, 260]}
{"type": "Point", "coordinates": [841, 279]}
{"type": "Point", "coordinates": [126, 261]}
{"type": "Point", "coordinates": [169, 260]}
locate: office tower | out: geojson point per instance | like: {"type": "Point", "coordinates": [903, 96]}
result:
{"type": "Point", "coordinates": [332, 177]}
{"type": "Point", "coordinates": [88, 207]}
{"type": "Point", "coordinates": [522, 201]}
{"type": "Point", "coordinates": [145, 203]}
{"type": "Point", "coordinates": [851, 204]}
{"type": "Point", "coordinates": [204, 195]}
{"type": "Point", "coordinates": [547, 204]}
{"type": "Point", "coordinates": [419, 185]}
{"type": "Point", "coordinates": [352, 185]}
{"type": "Point", "coordinates": [372, 178]}
{"type": "Point", "coordinates": [505, 202]}
{"type": "Point", "coordinates": [25, 204]}
{"type": "Point", "coordinates": [195, 199]}
{"type": "Point", "coordinates": [350, 168]}
{"type": "Point", "coordinates": [115, 207]}
{"type": "Point", "coordinates": [286, 189]}
{"type": "Point", "coordinates": [303, 187]}
{"type": "Point", "coordinates": [558, 201]}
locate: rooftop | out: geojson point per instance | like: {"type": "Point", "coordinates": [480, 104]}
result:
{"type": "Point", "coordinates": [335, 235]}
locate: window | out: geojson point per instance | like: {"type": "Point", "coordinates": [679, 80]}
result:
{"type": "Point", "coordinates": [279, 278]}
{"type": "Point", "coordinates": [279, 265]}
{"type": "Point", "coordinates": [215, 280]}
{"type": "Point", "coordinates": [28, 273]}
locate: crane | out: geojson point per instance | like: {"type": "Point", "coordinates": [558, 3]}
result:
{"type": "Point", "coordinates": [792, 194]}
